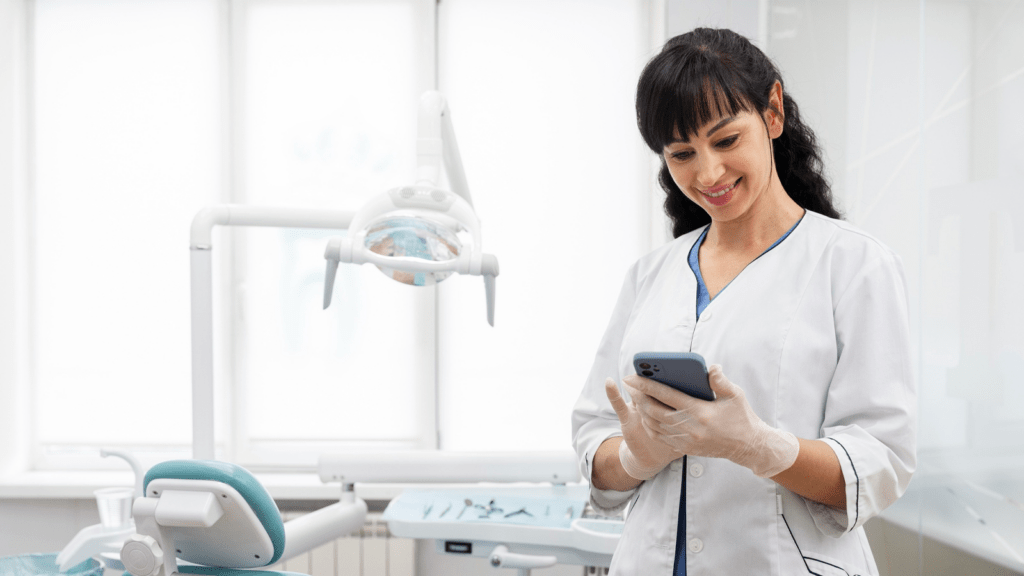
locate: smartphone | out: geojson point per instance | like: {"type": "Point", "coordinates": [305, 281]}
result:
{"type": "Point", "coordinates": [684, 371]}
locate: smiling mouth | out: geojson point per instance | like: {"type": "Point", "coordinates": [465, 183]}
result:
{"type": "Point", "coordinates": [721, 191]}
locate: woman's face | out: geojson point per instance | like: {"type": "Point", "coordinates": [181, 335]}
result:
{"type": "Point", "coordinates": [726, 168]}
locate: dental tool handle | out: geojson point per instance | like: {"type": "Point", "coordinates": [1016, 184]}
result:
{"type": "Point", "coordinates": [502, 558]}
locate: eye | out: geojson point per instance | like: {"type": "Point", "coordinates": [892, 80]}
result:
{"type": "Point", "coordinates": [727, 142]}
{"type": "Point", "coordinates": [681, 155]}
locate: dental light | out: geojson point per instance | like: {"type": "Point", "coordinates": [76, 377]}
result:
{"type": "Point", "coordinates": [420, 234]}
{"type": "Point", "coordinates": [417, 234]}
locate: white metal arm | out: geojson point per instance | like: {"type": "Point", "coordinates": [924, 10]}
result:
{"type": "Point", "coordinates": [322, 526]}
{"type": "Point", "coordinates": [436, 142]}
{"type": "Point", "coordinates": [202, 295]}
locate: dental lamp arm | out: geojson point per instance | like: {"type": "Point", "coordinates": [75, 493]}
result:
{"type": "Point", "coordinates": [201, 279]}
{"type": "Point", "coordinates": [436, 142]}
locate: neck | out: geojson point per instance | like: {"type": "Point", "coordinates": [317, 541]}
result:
{"type": "Point", "coordinates": [767, 219]}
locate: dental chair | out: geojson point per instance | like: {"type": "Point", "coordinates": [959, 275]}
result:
{"type": "Point", "coordinates": [217, 518]}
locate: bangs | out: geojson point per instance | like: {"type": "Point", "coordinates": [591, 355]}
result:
{"type": "Point", "coordinates": [685, 90]}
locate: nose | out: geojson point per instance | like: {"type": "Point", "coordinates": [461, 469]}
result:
{"type": "Point", "coordinates": [709, 170]}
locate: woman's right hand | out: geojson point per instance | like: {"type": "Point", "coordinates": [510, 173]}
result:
{"type": "Point", "coordinates": [642, 454]}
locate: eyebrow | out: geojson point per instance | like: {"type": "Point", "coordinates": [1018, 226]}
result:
{"type": "Point", "coordinates": [713, 129]}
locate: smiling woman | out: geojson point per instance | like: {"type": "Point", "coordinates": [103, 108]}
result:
{"type": "Point", "coordinates": [802, 317]}
{"type": "Point", "coordinates": [688, 86]}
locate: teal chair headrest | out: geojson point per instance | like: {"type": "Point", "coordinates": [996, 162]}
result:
{"type": "Point", "coordinates": [238, 478]}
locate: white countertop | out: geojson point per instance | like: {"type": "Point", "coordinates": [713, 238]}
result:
{"type": "Point", "coordinates": [983, 516]}
{"type": "Point", "coordinates": [281, 486]}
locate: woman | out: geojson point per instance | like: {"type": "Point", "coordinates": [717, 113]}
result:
{"type": "Point", "coordinates": [802, 317]}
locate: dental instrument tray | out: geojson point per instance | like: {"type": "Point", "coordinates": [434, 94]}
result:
{"type": "Point", "coordinates": [528, 520]}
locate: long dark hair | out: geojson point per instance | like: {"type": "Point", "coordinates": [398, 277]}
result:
{"type": "Point", "coordinates": [709, 73]}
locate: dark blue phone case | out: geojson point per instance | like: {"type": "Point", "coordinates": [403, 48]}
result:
{"type": "Point", "coordinates": [684, 371]}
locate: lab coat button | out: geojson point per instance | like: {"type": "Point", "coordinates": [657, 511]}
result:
{"type": "Point", "coordinates": [696, 470]}
{"type": "Point", "coordinates": [695, 545]}
{"type": "Point", "coordinates": [675, 466]}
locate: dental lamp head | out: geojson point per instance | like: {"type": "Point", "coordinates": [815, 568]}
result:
{"type": "Point", "coordinates": [420, 234]}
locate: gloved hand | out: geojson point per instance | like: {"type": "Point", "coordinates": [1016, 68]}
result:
{"type": "Point", "coordinates": [642, 454]}
{"type": "Point", "coordinates": [724, 428]}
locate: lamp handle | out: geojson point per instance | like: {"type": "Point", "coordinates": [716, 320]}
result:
{"type": "Point", "coordinates": [489, 270]}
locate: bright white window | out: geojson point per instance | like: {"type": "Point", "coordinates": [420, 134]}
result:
{"type": "Point", "coordinates": [145, 112]}
{"type": "Point", "coordinates": [542, 98]}
{"type": "Point", "coordinates": [127, 134]}
{"type": "Point", "coordinates": [329, 119]}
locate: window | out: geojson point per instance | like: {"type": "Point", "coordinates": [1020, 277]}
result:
{"type": "Point", "coordinates": [145, 112]}
{"type": "Point", "coordinates": [127, 134]}
{"type": "Point", "coordinates": [559, 174]}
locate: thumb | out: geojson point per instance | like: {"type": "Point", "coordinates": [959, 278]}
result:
{"type": "Point", "coordinates": [612, 390]}
{"type": "Point", "coordinates": [720, 385]}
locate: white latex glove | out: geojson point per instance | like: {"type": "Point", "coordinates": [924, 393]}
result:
{"type": "Point", "coordinates": [641, 453]}
{"type": "Point", "coordinates": [724, 428]}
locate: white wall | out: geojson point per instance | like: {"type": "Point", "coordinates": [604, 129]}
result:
{"type": "Point", "coordinates": [13, 423]}
{"type": "Point", "coordinates": [38, 525]}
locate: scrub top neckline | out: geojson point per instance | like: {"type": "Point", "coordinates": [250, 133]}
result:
{"type": "Point", "coordinates": [703, 296]}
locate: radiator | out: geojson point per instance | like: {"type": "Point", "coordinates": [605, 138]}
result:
{"type": "Point", "coordinates": [371, 551]}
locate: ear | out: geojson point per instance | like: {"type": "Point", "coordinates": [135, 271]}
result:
{"type": "Point", "coordinates": [775, 115]}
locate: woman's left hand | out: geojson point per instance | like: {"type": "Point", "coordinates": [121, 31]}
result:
{"type": "Point", "coordinates": [724, 428]}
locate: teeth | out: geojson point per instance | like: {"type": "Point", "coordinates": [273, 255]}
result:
{"type": "Point", "coordinates": [720, 192]}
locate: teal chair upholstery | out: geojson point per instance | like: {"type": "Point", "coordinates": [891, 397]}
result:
{"type": "Point", "coordinates": [210, 550]}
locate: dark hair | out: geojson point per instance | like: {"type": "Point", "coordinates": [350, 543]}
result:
{"type": "Point", "coordinates": [709, 73]}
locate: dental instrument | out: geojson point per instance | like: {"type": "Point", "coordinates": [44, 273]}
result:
{"type": "Point", "coordinates": [520, 511]}
{"type": "Point", "coordinates": [468, 504]}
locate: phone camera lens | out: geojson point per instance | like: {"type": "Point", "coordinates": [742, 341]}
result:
{"type": "Point", "coordinates": [645, 366]}
{"type": "Point", "coordinates": [647, 373]}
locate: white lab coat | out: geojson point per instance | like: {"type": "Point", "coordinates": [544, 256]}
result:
{"type": "Point", "coordinates": [816, 333]}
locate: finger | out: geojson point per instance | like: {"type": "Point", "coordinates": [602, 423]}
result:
{"type": "Point", "coordinates": [720, 385]}
{"type": "Point", "coordinates": [663, 393]}
{"type": "Point", "coordinates": [655, 411]}
{"type": "Point", "coordinates": [641, 399]}
{"type": "Point", "coordinates": [659, 431]}
{"type": "Point", "coordinates": [652, 429]}
{"type": "Point", "coordinates": [636, 396]}
{"type": "Point", "coordinates": [611, 389]}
